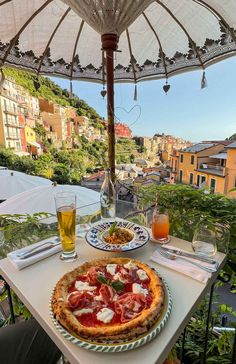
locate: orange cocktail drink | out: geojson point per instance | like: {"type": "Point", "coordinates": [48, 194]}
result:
{"type": "Point", "coordinates": [160, 226]}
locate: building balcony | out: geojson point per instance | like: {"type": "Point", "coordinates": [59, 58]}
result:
{"type": "Point", "coordinates": [214, 169]}
{"type": "Point", "coordinates": [9, 95]}
{"type": "Point", "coordinates": [10, 110]}
{"type": "Point", "coordinates": [12, 125]}
{"type": "Point", "coordinates": [13, 137]}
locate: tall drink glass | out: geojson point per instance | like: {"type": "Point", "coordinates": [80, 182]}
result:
{"type": "Point", "coordinates": [160, 226]}
{"type": "Point", "coordinates": [66, 213]}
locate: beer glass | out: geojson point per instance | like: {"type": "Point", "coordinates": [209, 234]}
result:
{"type": "Point", "coordinates": [66, 214]}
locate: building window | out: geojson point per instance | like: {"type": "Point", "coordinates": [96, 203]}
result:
{"type": "Point", "coordinates": [181, 158]}
{"type": "Point", "coordinates": [198, 180]}
{"type": "Point", "coordinates": [5, 104]}
{"type": "Point", "coordinates": [180, 176]}
{"type": "Point", "coordinates": [203, 179]}
{"type": "Point", "coordinates": [191, 178]}
{"type": "Point", "coordinates": [192, 159]}
{"type": "Point", "coordinates": [213, 185]}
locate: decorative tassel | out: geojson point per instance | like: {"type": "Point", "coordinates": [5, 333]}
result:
{"type": "Point", "coordinates": [2, 78]}
{"type": "Point", "coordinates": [203, 81]}
{"type": "Point", "coordinates": [71, 89]}
{"type": "Point", "coordinates": [135, 93]}
{"type": "Point", "coordinates": [166, 87]}
{"type": "Point", "coordinates": [103, 92]}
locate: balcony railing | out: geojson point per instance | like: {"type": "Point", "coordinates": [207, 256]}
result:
{"type": "Point", "coordinates": [13, 125]}
{"type": "Point", "coordinates": [9, 95]}
{"type": "Point", "coordinates": [212, 168]}
{"type": "Point", "coordinates": [10, 110]}
{"type": "Point", "coordinates": [13, 137]}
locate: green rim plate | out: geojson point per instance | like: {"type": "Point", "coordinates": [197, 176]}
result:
{"type": "Point", "coordinates": [122, 346]}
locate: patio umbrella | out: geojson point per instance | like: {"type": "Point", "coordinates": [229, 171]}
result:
{"type": "Point", "coordinates": [151, 39]}
{"type": "Point", "coordinates": [41, 199]}
{"type": "Point", "coordinates": [14, 182]}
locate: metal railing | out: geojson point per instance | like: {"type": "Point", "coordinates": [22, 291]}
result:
{"type": "Point", "coordinates": [11, 110]}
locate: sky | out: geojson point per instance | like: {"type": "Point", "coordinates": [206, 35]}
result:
{"type": "Point", "coordinates": [187, 111]}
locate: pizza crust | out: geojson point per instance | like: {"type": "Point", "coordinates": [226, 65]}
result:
{"type": "Point", "coordinates": [127, 330]}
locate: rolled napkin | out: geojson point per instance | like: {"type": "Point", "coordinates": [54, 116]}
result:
{"type": "Point", "coordinates": [22, 263]}
{"type": "Point", "coordinates": [182, 265]}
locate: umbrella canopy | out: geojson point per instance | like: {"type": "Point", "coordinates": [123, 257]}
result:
{"type": "Point", "coordinates": [41, 199]}
{"type": "Point", "coordinates": [156, 38]}
{"type": "Point", "coordinates": [13, 183]}
{"type": "Point", "coordinates": [151, 39]}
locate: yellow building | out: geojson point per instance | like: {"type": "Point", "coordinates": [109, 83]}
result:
{"type": "Point", "coordinates": [192, 159]}
{"type": "Point", "coordinates": [33, 147]}
{"type": "Point", "coordinates": [211, 165]}
{"type": "Point", "coordinates": [30, 135]}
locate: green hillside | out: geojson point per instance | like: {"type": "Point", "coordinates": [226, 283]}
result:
{"type": "Point", "coordinates": [51, 91]}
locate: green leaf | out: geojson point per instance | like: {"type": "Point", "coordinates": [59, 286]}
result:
{"type": "Point", "coordinates": [102, 279]}
{"type": "Point", "coordinates": [112, 228]}
{"type": "Point", "coordinates": [118, 285]}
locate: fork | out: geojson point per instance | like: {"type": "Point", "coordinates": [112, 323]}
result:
{"type": "Point", "coordinates": [174, 257]}
{"type": "Point", "coordinates": [38, 248]}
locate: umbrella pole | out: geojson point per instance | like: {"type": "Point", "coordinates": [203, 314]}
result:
{"type": "Point", "coordinates": [109, 45]}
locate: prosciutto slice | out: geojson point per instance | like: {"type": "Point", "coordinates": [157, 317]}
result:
{"type": "Point", "coordinates": [129, 305]}
{"type": "Point", "coordinates": [93, 273]}
{"type": "Point", "coordinates": [107, 293]}
{"type": "Point", "coordinates": [79, 300]}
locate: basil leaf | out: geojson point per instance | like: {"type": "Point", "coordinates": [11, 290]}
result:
{"type": "Point", "coordinates": [102, 279]}
{"type": "Point", "coordinates": [118, 285]}
{"type": "Point", "coordinates": [112, 228]}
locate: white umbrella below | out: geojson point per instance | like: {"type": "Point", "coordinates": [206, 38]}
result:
{"type": "Point", "coordinates": [41, 199]}
{"type": "Point", "coordinates": [14, 182]}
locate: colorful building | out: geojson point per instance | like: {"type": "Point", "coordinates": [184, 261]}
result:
{"type": "Point", "coordinates": [122, 131]}
{"type": "Point", "coordinates": [231, 170]}
{"type": "Point", "coordinates": [9, 122]}
{"type": "Point", "coordinates": [33, 147]}
{"type": "Point", "coordinates": [211, 165]}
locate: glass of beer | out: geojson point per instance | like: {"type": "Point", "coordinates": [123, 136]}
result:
{"type": "Point", "coordinates": [160, 226]}
{"type": "Point", "coordinates": [66, 214]}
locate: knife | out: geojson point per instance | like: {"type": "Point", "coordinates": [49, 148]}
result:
{"type": "Point", "coordinates": [190, 255]}
{"type": "Point", "coordinates": [39, 250]}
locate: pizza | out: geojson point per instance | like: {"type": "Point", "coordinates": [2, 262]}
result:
{"type": "Point", "coordinates": [109, 299]}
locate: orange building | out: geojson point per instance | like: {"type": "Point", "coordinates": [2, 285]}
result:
{"type": "Point", "coordinates": [211, 165]}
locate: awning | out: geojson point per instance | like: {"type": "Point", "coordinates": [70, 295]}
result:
{"type": "Point", "coordinates": [35, 144]}
{"type": "Point", "coordinates": [219, 156]}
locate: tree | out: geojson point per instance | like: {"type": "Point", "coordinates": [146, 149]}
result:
{"type": "Point", "coordinates": [232, 137]}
